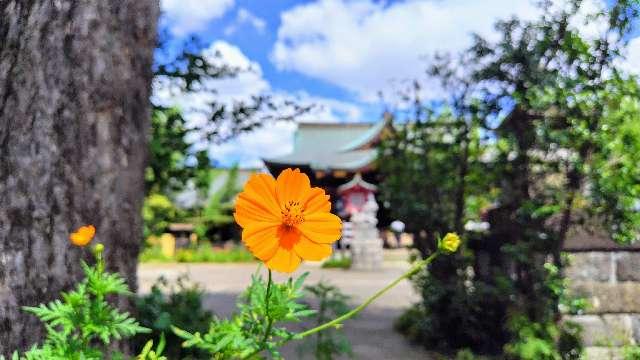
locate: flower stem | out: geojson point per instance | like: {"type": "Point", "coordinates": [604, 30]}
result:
{"type": "Point", "coordinates": [267, 331]}
{"type": "Point", "coordinates": [337, 321]}
{"type": "Point", "coordinates": [269, 318]}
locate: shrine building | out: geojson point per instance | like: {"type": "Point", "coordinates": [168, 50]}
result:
{"type": "Point", "coordinates": [339, 157]}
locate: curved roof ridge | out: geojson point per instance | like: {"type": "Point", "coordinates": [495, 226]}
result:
{"type": "Point", "coordinates": [365, 138]}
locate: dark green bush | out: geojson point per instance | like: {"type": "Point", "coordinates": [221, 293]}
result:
{"type": "Point", "coordinates": [331, 303]}
{"type": "Point", "coordinates": [179, 305]}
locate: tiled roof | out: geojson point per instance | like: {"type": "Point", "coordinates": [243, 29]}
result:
{"type": "Point", "coordinates": [333, 146]}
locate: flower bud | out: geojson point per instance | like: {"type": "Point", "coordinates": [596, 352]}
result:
{"type": "Point", "coordinates": [99, 248]}
{"type": "Point", "coordinates": [449, 243]}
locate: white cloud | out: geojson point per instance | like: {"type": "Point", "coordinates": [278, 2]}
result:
{"type": "Point", "coordinates": [591, 28]}
{"type": "Point", "coordinates": [246, 150]}
{"type": "Point", "coordinates": [246, 17]}
{"type": "Point", "coordinates": [247, 82]}
{"type": "Point", "coordinates": [323, 109]}
{"type": "Point", "coordinates": [275, 138]}
{"type": "Point", "coordinates": [184, 17]}
{"type": "Point", "coordinates": [367, 46]}
{"type": "Point", "coordinates": [631, 62]}
{"type": "Point", "coordinates": [363, 45]}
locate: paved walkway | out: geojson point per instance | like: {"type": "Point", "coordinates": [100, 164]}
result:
{"type": "Point", "coordinates": [371, 334]}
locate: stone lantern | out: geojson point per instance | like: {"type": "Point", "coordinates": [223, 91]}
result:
{"type": "Point", "coordinates": [360, 204]}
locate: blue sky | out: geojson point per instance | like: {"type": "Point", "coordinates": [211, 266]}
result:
{"type": "Point", "coordinates": [337, 54]}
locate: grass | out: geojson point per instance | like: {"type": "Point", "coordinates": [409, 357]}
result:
{"type": "Point", "coordinates": [203, 253]}
{"type": "Point", "coordinates": [337, 263]}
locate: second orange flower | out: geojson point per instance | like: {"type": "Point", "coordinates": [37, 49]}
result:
{"type": "Point", "coordinates": [285, 220]}
{"type": "Point", "coordinates": [83, 235]}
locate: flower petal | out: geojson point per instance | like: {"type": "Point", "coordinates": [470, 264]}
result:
{"type": "Point", "coordinates": [321, 227]}
{"type": "Point", "coordinates": [261, 239]}
{"type": "Point", "coordinates": [317, 201]}
{"type": "Point", "coordinates": [292, 185]}
{"type": "Point", "coordinates": [257, 202]}
{"type": "Point", "coordinates": [284, 260]}
{"type": "Point", "coordinates": [309, 250]}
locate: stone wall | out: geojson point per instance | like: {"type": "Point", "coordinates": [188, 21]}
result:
{"type": "Point", "coordinates": [610, 280]}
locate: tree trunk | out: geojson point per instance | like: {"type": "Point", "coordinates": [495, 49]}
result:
{"type": "Point", "coordinates": [74, 114]}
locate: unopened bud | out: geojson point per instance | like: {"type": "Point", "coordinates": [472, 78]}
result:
{"type": "Point", "coordinates": [450, 243]}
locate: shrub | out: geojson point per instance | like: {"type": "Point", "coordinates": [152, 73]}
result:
{"type": "Point", "coordinates": [201, 253]}
{"type": "Point", "coordinates": [332, 303]}
{"type": "Point", "coordinates": [206, 253]}
{"type": "Point", "coordinates": [548, 341]}
{"type": "Point", "coordinates": [337, 263]}
{"type": "Point", "coordinates": [167, 305]}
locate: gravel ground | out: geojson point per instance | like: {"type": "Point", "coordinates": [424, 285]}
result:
{"type": "Point", "coordinates": [371, 334]}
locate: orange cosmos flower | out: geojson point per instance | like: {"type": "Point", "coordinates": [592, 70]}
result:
{"type": "Point", "coordinates": [83, 235]}
{"type": "Point", "coordinates": [286, 220]}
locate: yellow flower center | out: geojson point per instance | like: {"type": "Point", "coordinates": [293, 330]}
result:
{"type": "Point", "coordinates": [293, 213]}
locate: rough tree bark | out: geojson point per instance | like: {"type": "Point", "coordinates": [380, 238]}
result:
{"type": "Point", "coordinates": [74, 115]}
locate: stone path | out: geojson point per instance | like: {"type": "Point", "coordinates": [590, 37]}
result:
{"type": "Point", "coordinates": [371, 334]}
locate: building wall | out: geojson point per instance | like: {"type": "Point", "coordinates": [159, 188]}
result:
{"type": "Point", "coordinates": [610, 280]}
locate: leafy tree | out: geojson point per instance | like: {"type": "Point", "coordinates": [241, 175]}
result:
{"type": "Point", "coordinates": [561, 120]}
{"type": "Point", "coordinates": [169, 169]}
{"type": "Point", "coordinates": [434, 182]}
{"type": "Point", "coordinates": [178, 147]}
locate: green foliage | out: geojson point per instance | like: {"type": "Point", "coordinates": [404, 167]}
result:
{"type": "Point", "coordinates": [615, 174]}
{"type": "Point", "coordinates": [332, 303]}
{"type": "Point", "coordinates": [262, 310]}
{"type": "Point", "coordinates": [560, 121]}
{"type": "Point", "coordinates": [169, 169]}
{"type": "Point", "coordinates": [158, 212]}
{"type": "Point", "coordinates": [556, 284]}
{"type": "Point", "coordinates": [337, 263]}
{"type": "Point", "coordinates": [167, 305]}
{"type": "Point", "coordinates": [459, 299]}
{"type": "Point", "coordinates": [207, 253]}
{"type": "Point", "coordinates": [546, 341]}
{"type": "Point", "coordinates": [219, 210]}
{"type": "Point", "coordinates": [83, 323]}
{"type": "Point", "coordinates": [426, 164]}
{"type": "Point", "coordinates": [148, 353]}
{"type": "Point", "coordinates": [631, 352]}
{"type": "Point", "coordinates": [202, 253]}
